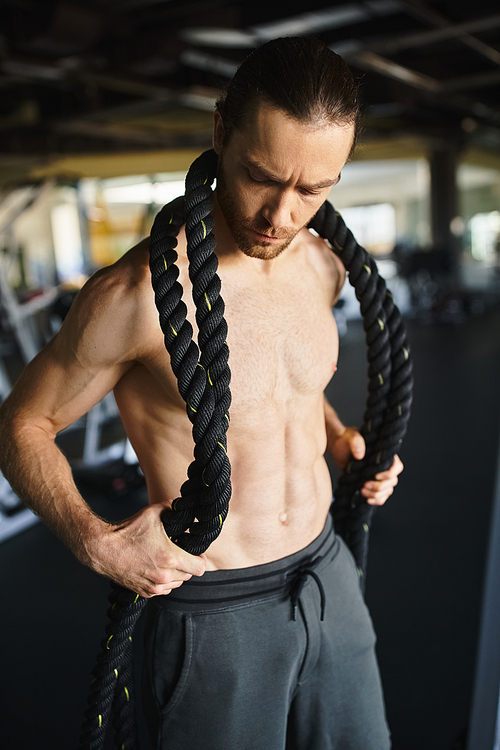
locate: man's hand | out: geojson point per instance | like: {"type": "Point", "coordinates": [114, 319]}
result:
{"type": "Point", "coordinates": [379, 489]}
{"type": "Point", "coordinates": [349, 443]}
{"type": "Point", "coordinates": [138, 555]}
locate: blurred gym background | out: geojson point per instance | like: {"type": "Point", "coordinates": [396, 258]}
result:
{"type": "Point", "coordinates": [104, 104]}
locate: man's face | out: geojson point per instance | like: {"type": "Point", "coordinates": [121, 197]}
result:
{"type": "Point", "coordinates": [273, 176]}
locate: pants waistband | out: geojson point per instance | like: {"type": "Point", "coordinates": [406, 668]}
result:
{"type": "Point", "coordinates": [219, 587]}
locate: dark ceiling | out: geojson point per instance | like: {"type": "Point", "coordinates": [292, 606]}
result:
{"type": "Point", "coordinates": [80, 76]}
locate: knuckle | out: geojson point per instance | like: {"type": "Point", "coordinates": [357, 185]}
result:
{"type": "Point", "coordinates": [168, 561]}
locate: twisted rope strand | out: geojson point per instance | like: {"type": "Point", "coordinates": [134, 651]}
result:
{"type": "Point", "coordinates": [203, 381]}
{"type": "Point", "coordinates": [124, 611]}
{"type": "Point", "coordinates": [125, 718]}
{"type": "Point", "coordinates": [389, 387]}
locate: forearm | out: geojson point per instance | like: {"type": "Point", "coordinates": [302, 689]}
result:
{"type": "Point", "coordinates": [334, 427]}
{"type": "Point", "coordinates": [41, 476]}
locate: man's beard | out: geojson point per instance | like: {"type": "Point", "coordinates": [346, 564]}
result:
{"type": "Point", "coordinates": [239, 226]}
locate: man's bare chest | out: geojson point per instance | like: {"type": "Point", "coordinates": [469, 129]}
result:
{"type": "Point", "coordinates": [283, 344]}
{"type": "Point", "coordinates": [282, 341]}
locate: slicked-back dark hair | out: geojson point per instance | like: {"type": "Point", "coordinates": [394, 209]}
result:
{"type": "Point", "coordinates": [300, 76]}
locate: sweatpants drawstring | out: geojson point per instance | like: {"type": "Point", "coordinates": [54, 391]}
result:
{"type": "Point", "coordinates": [299, 578]}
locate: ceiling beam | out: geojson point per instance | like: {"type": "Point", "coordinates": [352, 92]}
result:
{"type": "Point", "coordinates": [170, 11]}
{"type": "Point", "coordinates": [407, 41]}
{"type": "Point", "coordinates": [367, 60]}
{"type": "Point", "coordinates": [33, 69]}
{"type": "Point", "coordinates": [364, 59]}
{"type": "Point", "coordinates": [312, 22]}
{"type": "Point", "coordinates": [193, 58]}
{"type": "Point", "coordinates": [123, 134]}
{"type": "Point", "coordinates": [16, 69]}
{"type": "Point", "coordinates": [476, 80]}
{"type": "Point", "coordinates": [94, 138]}
{"type": "Point", "coordinates": [327, 18]}
{"type": "Point", "coordinates": [132, 86]}
{"type": "Point", "coordinates": [423, 12]}
{"type": "Point", "coordinates": [126, 5]}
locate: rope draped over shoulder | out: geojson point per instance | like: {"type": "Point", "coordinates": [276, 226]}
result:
{"type": "Point", "coordinates": [202, 374]}
{"type": "Point", "coordinates": [389, 388]}
{"type": "Point", "coordinates": [203, 378]}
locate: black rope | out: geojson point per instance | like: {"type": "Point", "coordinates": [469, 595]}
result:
{"type": "Point", "coordinates": [203, 377]}
{"type": "Point", "coordinates": [123, 613]}
{"type": "Point", "coordinates": [389, 388]}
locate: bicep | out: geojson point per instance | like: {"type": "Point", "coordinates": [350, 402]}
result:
{"type": "Point", "coordinates": [102, 336]}
{"type": "Point", "coordinates": [55, 389]}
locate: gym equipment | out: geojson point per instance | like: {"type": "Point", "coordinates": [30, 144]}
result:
{"type": "Point", "coordinates": [203, 380]}
{"type": "Point", "coordinates": [24, 334]}
{"type": "Point", "coordinates": [14, 516]}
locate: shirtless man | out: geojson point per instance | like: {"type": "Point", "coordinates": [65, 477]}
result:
{"type": "Point", "coordinates": [230, 664]}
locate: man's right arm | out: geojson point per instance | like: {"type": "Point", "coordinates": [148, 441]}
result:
{"type": "Point", "coordinates": [84, 361]}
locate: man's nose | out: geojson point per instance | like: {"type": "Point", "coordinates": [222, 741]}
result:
{"type": "Point", "coordinates": [278, 210]}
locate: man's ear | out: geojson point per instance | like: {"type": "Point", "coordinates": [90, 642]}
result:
{"type": "Point", "coordinates": [219, 133]}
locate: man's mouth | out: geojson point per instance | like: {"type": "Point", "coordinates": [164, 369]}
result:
{"type": "Point", "coordinates": [266, 237]}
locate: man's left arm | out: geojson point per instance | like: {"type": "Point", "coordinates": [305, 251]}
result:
{"type": "Point", "coordinates": [344, 443]}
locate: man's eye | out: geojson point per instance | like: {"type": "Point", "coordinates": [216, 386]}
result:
{"type": "Point", "coordinates": [257, 179]}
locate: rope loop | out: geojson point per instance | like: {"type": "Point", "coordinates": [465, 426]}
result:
{"type": "Point", "coordinates": [203, 373]}
{"type": "Point", "coordinates": [390, 383]}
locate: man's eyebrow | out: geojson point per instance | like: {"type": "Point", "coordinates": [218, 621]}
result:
{"type": "Point", "coordinates": [327, 183]}
{"type": "Point", "coordinates": [268, 175]}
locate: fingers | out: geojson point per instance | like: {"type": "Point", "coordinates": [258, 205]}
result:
{"type": "Point", "coordinates": [378, 490]}
{"type": "Point", "coordinates": [396, 469]}
{"type": "Point", "coordinates": [160, 584]}
{"type": "Point", "coordinates": [185, 563]}
{"type": "Point", "coordinates": [356, 443]}
{"type": "Point", "coordinates": [172, 570]}
{"type": "Point", "coordinates": [150, 590]}
{"type": "Point", "coordinates": [177, 558]}
{"type": "Point", "coordinates": [143, 559]}
{"type": "Point", "coordinates": [377, 493]}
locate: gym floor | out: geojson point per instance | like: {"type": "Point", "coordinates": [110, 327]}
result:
{"type": "Point", "coordinates": [427, 557]}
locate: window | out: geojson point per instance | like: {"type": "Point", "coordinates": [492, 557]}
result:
{"type": "Point", "coordinates": [485, 236]}
{"type": "Point", "coordinates": [374, 227]}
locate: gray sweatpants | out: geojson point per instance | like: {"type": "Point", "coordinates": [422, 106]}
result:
{"type": "Point", "coordinates": [275, 657]}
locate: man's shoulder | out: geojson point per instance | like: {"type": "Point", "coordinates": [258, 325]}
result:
{"type": "Point", "coordinates": [325, 262]}
{"type": "Point", "coordinates": [116, 305]}
{"type": "Point", "coordinates": [121, 282]}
